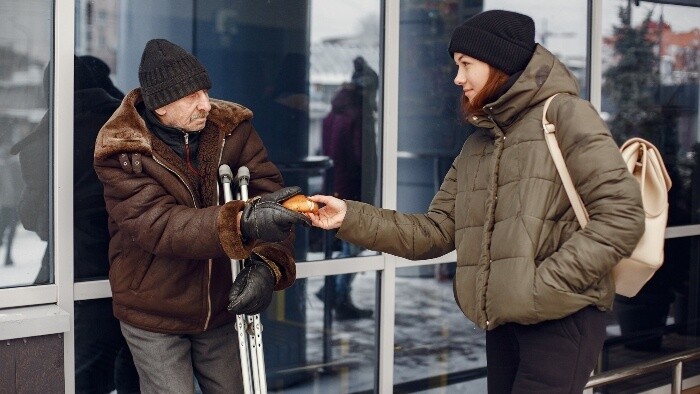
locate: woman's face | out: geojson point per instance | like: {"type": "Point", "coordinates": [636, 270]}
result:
{"type": "Point", "coordinates": [472, 74]}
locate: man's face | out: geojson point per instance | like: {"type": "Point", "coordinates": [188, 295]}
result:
{"type": "Point", "coordinates": [188, 113]}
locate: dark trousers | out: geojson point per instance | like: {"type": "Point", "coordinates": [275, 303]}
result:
{"type": "Point", "coordinates": [554, 356]}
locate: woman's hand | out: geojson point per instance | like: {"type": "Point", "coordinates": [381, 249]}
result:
{"type": "Point", "coordinates": [330, 215]}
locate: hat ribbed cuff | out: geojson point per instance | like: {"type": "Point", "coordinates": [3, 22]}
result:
{"type": "Point", "coordinates": [491, 49]}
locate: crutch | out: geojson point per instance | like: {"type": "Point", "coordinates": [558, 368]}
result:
{"type": "Point", "coordinates": [248, 327]}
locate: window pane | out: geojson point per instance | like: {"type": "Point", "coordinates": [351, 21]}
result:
{"type": "Point", "coordinates": [288, 67]}
{"type": "Point", "coordinates": [434, 342]}
{"type": "Point", "coordinates": [290, 62]}
{"type": "Point", "coordinates": [430, 135]}
{"type": "Point", "coordinates": [652, 92]}
{"type": "Point", "coordinates": [26, 36]}
{"type": "Point", "coordinates": [95, 99]}
{"type": "Point", "coordinates": [430, 130]}
{"type": "Point", "coordinates": [313, 344]}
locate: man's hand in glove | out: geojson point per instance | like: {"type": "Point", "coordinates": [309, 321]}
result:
{"type": "Point", "coordinates": [266, 219]}
{"type": "Point", "coordinates": [251, 292]}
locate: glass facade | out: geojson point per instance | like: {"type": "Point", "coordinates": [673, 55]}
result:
{"type": "Point", "coordinates": [312, 72]}
{"type": "Point", "coordinates": [26, 82]}
{"type": "Point", "coordinates": [652, 92]}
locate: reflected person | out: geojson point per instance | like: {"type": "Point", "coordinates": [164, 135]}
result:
{"type": "Point", "coordinates": [10, 187]}
{"type": "Point", "coordinates": [100, 72]}
{"type": "Point", "coordinates": [103, 362]}
{"type": "Point", "coordinates": [342, 134]}
{"type": "Point", "coordinates": [33, 205]}
{"type": "Point", "coordinates": [172, 236]}
{"type": "Point", "coordinates": [526, 273]}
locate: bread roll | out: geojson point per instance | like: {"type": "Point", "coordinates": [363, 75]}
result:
{"type": "Point", "coordinates": [300, 203]}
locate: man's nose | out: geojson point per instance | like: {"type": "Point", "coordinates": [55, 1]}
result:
{"type": "Point", "coordinates": [203, 103]}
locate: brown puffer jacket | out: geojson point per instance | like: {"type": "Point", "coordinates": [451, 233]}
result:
{"type": "Point", "coordinates": [171, 239]}
{"type": "Point", "coordinates": [521, 255]}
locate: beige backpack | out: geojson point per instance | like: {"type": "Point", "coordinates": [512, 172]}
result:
{"type": "Point", "coordinates": [646, 165]}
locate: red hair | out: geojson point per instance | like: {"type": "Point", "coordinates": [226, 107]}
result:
{"type": "Point", "coordinates": [488, 93]}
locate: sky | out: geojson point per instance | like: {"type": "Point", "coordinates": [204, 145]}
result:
{"type": "Point", "coordinates": [564, 21]}
{"type": "Point", "coordinates": [339, 18]}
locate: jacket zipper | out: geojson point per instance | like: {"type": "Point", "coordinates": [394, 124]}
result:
{"type": "Point", "coordinates": [188, 161]}
{"type": "Point", "coordinates": [221, 155]}
{"type": "Point", "coordinates": [489, 114]}
{"type": "Point", "coordinates": [194, 201]}
{"type": "Point", "coordinates": [210, 262]}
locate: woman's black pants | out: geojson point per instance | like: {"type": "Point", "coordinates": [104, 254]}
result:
{"type": "Point", "coordinates": [555, 356]}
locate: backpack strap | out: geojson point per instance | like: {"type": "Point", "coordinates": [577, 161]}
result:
{"type": "Point", "coordinates": [551, 139]}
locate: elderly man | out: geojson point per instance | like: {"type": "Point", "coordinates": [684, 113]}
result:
{"type": "Point", "coordinates": [172, 236]}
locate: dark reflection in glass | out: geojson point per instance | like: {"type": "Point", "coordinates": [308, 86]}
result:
{"type": "Point", "coordinates": [103, 362]}
{"type": "Point", "coordinates": [25, 100]}
{"type": "Point", "coordinates": [92, 105]}
{"type": "Point", "coordinates": [305, 351]}
{"type": "Point", "coordinates": [102, 359]}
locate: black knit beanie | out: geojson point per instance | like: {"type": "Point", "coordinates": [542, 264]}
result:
{"type": "Point", "coordinates": [502, 39]}
{"type": "Point", "coordinates": [168, 73]}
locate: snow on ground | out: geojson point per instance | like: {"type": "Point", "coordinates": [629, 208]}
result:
{"type": "Point", "coordinates": [26, 252]}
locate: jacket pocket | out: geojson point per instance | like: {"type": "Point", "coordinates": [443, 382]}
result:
{"type": "Point", "coordinates": [140, 273]}
{"type": "Point", "coordinates": [551, 303]}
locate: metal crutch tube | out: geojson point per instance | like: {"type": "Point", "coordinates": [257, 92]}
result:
{"type": "Point", "coordinates": [226, 177]}
{"type": "Point", "coordinates": [254, 324]}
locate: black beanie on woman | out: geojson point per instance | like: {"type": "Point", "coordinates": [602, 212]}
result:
{"type": "Point", "coordinates": [168, 73]}
{"type": "Point", "coordinates": [502, 39]}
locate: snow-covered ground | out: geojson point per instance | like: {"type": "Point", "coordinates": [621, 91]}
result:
{"type": "Point", "coordinates": [26, 252]}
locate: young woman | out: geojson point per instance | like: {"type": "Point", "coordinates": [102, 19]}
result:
{"type": "Point", "coordinates": [526, 272]}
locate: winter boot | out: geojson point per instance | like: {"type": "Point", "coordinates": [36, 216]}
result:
{"type": "Point", "coordinates": [346, 310]}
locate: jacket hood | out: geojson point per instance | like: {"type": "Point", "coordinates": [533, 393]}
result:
{"type": "Point", "coordinates": [126, 130]}
{"type": "Point", "coordinates": [544, 76]}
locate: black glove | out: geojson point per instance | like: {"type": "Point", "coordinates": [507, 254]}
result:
{"type": "Point", "coordinates": [251, 292]}
{"type": "Point", "coordinates": [266, 219]}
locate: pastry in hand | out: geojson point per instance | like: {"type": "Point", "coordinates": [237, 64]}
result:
{"type": "Point", "coordinates": [301, 204]}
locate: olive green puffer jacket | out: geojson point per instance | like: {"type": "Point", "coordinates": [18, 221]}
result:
{"type": "Point", "coordinates": [521, 255]}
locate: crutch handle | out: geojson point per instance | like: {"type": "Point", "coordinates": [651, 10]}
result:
{"type": "Point", "coordinates": [226, 176]}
